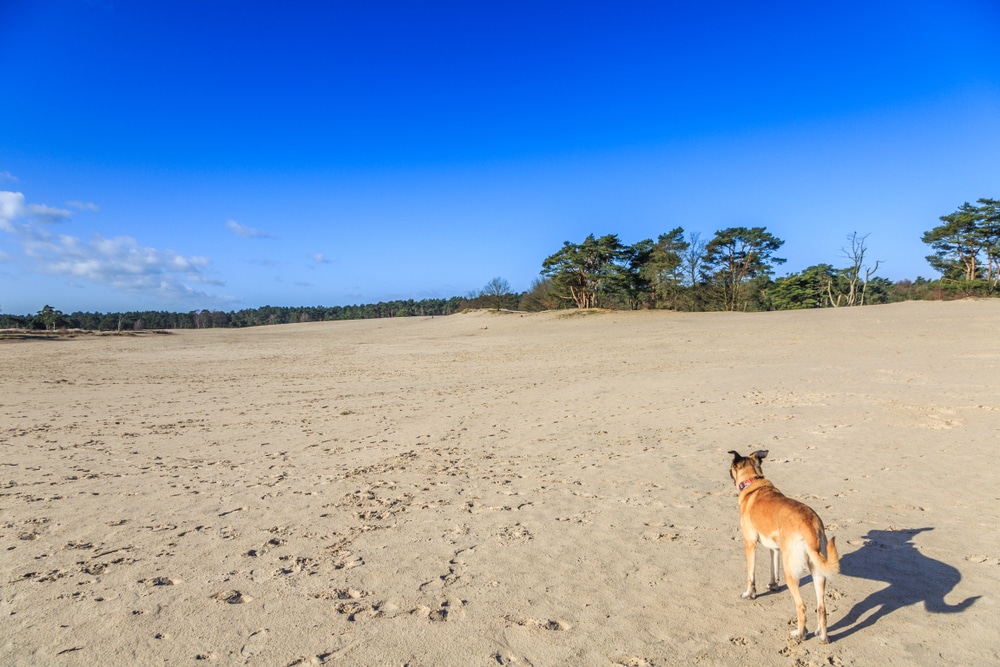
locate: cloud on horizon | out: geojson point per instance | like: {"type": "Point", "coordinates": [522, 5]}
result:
{"type": "Point", "coordinates": [119, 262]}
{"type": "Point", "coordinates": [247, 232]}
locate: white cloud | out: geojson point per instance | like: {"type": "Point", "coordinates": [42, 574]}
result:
{"type": "Point", "coordinates": [119, 262]}
{"type": "Point", "coordinates": [7, 176]}
{"type": "Point", "coordinates": [247, 232]}
{"type": "Point", "coordinates": [11, 208]}
{"type": "Point", "coordinates": [48, 214]}
{"type": "Point", "coordinates": [319, 258]}
{"type": "Point", "coordinates": [83, 205]}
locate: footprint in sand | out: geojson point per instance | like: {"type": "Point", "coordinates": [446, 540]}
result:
{"type": "Point", "coordinates": [511, 660]}
{"type": "Point", "coordinates": [255, 643]}
{"type": "Point", "coordinates": [980, 559]}
{"type": "Point", "coordinates": [341, 594]}
{"type": "Point", "coordinates": [631, 661]}
{"type": "Point", "coordinates": [160, 581]}
{"type": "Point", "coordinates": [550, 624]}
{"type": "Point", "coordinates": [232, 597]}
{"type": "Point", "coordinates": [447, 609]}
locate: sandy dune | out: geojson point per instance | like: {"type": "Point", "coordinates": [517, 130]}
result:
{"type": "Point", "coordinates": [489, 489]}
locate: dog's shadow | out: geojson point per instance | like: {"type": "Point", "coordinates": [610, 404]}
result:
{"type": "Point", "coordinates": [891, 556]}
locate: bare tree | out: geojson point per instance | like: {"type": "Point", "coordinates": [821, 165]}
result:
{"type": "Point", "coordinates": [496, 292]}
{"type": "Point", "coordinates": [856, 284]}
{"type": "Point", "coordinates": [692, 258]}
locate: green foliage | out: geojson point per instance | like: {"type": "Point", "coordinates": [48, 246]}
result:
{"type": "Point", "coordinates": [662, 268]}
{"type": "Point", "coordinates": [603, 272]}
{"type": "Point", "coordinates": [586, 271]}
{"type": "Point", "coordinates": [807, 289]}
{"type": "Point", "coordinates": [49, 318]}
{"type": "Point", "coordinates": [967, 248]}
{"type": "Point", "coordinates": [920, 289]}
{"type": "Point", "coordinates": [734, 258]}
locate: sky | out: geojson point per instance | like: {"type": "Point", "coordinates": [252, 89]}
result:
{"type": "Point", "coordinates": [179, 155]}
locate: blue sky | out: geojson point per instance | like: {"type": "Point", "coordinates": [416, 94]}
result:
{"type": "Point", "coordinates": [185, 155]}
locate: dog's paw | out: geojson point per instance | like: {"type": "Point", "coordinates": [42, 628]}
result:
{"type": "Point", "coordinates": [773, 586]}
{"type": "Point", "coordinates": [748, 595]}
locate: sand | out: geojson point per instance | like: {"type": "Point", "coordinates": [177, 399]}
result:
{"type": "Point", "coordinates": [499, 489]}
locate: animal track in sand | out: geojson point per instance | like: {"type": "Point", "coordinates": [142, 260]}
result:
{"type": "Point", "coordinates": [355, 610]}
{"type": "Point", "coordinates": [80, 596]}
{"type": "Point", "coordinates": [50, 576]}
{"type": "Point", "coordinates": [228, 533]}
{"type": "Point", "coordinates": [79, 544]}
{"type": "Point", "coordinates": [94, 569]}
{"type": "Point", "coordinates": [160, 581]}
{"type": "Point", "coordinates": [296, 564]}
{"type": "Point", "coordinates": [320, 659]}
{"type": "Point", "coordinates": [340, 594]}
{"type": "Point", "coordinates": [456, 568]}
{"type": "Point", "coordinates": [370, 506]}
{"type": "Point", "coordinates": [511, 660]}
{"type": "Point", "coordinates": [447, 609]}
{"type": "Point", "coordinates": [983, 560]}
{"type": "Point", "coordinates": [161, 527]}
{"type": "Point", "coordinates": [231, 597]}
{"type": "Point", "coordinates": [346, 560]}
{"type": "Point", "coordinates": [657, 536]}
{"type": "Point", "coordinates": [632, 661]}
{"type": "Point", "coordinates": [548, 624]}
{"type": "Point", "coordinates": [515, 533]}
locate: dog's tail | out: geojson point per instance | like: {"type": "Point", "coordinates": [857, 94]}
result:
{"type": "Point", "coordinates": [831, 563]}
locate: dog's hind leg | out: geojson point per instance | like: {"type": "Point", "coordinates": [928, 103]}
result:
{"type": "Point", "coordinates": [792, 581]}
{"type": "Point", "coordinates": [773, 584]}
{"type": "Point", "coordinates": [751, 549]}
{"type": "Point", "coordinates": [819, 581]}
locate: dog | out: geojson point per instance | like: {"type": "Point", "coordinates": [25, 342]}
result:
{"type": "Point", "coordinates": [782, 524]}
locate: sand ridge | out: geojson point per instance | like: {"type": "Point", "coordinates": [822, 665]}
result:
{"type": "Point", "coordinates": [482, 489]}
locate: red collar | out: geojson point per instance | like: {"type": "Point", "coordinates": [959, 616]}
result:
{"type": "Point", "coordinates": [747, 482]}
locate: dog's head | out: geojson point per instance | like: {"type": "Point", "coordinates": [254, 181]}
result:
{"type": "Point", "coordinates": [744, 467]}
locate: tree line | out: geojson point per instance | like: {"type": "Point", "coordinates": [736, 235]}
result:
{"type": "Point", "coordinates": [731, 271]}
{"type": "Point", "coordinates": [51, 318]}
{"type": "Point", "coordinates": [734, 271]}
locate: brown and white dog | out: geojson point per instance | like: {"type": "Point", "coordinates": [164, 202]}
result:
{"type": "Point", "coordinates": [782, 524]}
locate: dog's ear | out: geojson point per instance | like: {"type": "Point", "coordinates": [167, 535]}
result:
{"type": "Point", "coordinates": [760, 454]}
{"type": "Point", "coordinates": [736, 456]}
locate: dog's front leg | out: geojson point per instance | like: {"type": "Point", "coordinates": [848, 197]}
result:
{"type": "Point", "coordinates": [773, 584]}
{"type": "Point", "coordinates": [751, 549]}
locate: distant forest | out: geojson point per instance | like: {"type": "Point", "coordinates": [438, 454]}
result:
{"type": "Point", "coordinates": [732, 271]}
